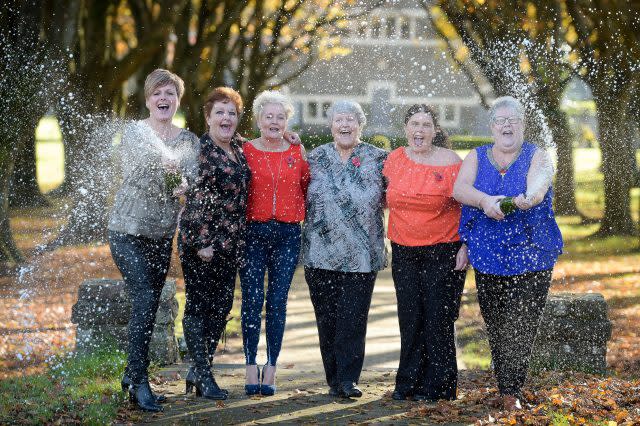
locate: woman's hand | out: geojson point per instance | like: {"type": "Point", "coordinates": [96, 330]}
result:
{"type": "Point", "coordinates": [181, 189]}
{"type": "Point", "coordinates": [206, 254]}
{"type": "Point", "coordinates": [462, 258]}
{"type": "Point", "coordinates": [292, 137]}
{"type": "Point", "coordinates": [523, 203]}
{"type": "Point", "coordinates": [490, 204]}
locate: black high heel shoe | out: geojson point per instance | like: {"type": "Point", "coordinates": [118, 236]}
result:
{"type": "Point", "coordinates": [126, 383]}
{"type": "Point", "coordinates": [206, 385]}
{"type": "Point", "coordinates": [190, 381]}
{"type": "Point", "coordinates": [141, 394]}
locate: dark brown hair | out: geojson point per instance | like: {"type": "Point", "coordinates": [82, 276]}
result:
{"type": "Point", "coordinates": [222, 94]}
{"type": "Point", "coordinates": [440, 138]}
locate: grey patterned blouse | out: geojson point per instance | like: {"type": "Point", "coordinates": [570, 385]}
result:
{"type": "Point", "coordinates": [142, 205]}
{"type": "Point", "coordinates": [344, 227]}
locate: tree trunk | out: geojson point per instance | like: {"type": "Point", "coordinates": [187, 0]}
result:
{"type": "Point", "coordinates": [617, 165]}
{"type": "Point", "coordinates": [9, 252]}
{"type": "Point", "coordinates": [24, 190]}
{"type": "Point", "coordinates": [565, 189]}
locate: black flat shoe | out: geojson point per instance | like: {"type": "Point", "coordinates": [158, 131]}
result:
{"type": "Point", "coordinates": [333, 391]}
{"type": "Point", "coordinates": [349, 390]}
{"type": "Point", "coordinates": [141, 394]}
{"type": "Point", "coordinates": [126, 383]}
{"type": "Point", "coordinates": [399, 395]}
{"type": "Point", "coordinates": [190, 382]}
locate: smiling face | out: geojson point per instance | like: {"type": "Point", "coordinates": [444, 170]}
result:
{"type": "Point", "coordinates": [273, 121]}
{"type": "Point", "coordinates": [222, 121]}
{"type": "Point", "coordinates": [163, 103]}
{"type": "Point", "coordinates": [419, 131]}
{"type": "Point", "coordinates": [508, 136]}
{"type": "Point", "coordinates": [345, 130]}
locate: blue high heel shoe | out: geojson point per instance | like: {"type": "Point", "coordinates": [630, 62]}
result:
{"type": "Point", "coordinates": [253, 389]}
{"type": "Point", "coordinates": [266, 390]}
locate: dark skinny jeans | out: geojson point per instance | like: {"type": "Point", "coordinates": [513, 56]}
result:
{"type": "Point", "coordinates": [512, 307]}
{"type": "Point", "coordinates": [143, 263]}
{"type": "Point", "coordinates": [209, 290]}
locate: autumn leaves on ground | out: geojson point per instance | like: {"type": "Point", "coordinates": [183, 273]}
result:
{"type": "Point", "coordinates": [35, 313]}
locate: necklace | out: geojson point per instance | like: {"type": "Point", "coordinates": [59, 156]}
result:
{"type": "Point", "coordinates": [274, 178]}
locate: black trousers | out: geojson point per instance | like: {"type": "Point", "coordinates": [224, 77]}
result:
{"type": "Point", "coordinates": [428, 292]}
{"type": "Point", "coordinates": [341, 302]}
{"type": "Point", "coordinates": [511, 307]}
{"type": "Point", "coordinates": [209, 290]}
{"type": "Point", "coordinates": [143, 263]}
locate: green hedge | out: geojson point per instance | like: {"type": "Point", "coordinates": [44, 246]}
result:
{"type": "Point", "coordinates": [465, 142]}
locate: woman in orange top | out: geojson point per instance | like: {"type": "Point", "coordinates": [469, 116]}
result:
{"type": "Point", "coordinates": [428, 260]}
{"type": "Point", "coordinates": [275, 208]}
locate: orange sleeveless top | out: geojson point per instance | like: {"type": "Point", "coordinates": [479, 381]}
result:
{"type": "Point", "coordinates": [422, 210]}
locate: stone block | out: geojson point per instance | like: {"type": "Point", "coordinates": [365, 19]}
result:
{"type": "Point", "coordinates": [102, 314]}
{"type": "Point", "coordinates": [573, 333]}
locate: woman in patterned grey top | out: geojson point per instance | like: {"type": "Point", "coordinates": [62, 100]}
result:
{"type": "Point", "coordinates": [144, 217]}
{"type": "Point", "coordinates": [343, 243]}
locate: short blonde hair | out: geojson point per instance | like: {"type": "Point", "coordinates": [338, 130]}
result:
{"type": "Point", "coordinates": [161, 77]}
{"type": "Point", "coordinates": [271, 97]}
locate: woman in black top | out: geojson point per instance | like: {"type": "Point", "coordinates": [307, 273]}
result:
{"type": "Point", "coordinates": [211, 239]}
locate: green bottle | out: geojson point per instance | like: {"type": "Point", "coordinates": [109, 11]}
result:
{"type": "Point", "coordinates": [507, 205]}
{"type": "Point", "coordinates": [172, 180]}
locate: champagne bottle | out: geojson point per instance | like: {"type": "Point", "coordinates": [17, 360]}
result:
{"type": "Point", "coordinates": [172, 180]}
{"type": "Point", "coordinates": [507, 205]}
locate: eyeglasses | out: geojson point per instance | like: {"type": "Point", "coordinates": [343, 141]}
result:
{"type": "Point", "coordinates": [502, 120]}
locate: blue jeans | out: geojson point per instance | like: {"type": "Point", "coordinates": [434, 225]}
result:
{"type": "Point", "coordinates": [144, 263]}
{"type": "Point", "coordinates": [271, 246]}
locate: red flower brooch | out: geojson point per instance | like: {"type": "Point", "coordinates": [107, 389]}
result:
{"type": "Point", "coordinates": [290, 161]}
{"type": "Point", "coordinates": [355, 161]}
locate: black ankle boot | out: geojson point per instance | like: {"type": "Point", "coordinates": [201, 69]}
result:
{"type": "Point", "coordinates": [141, 394]}
{"type": "Point", "coordinates": [126, 384]}
{"type": "Point", "coordinates": [206, 385]}
{"type": "Point", "coordinates": [190, 381]}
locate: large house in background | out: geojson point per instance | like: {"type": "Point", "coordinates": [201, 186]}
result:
{"type": "Point", "coordinates": [396, 60]}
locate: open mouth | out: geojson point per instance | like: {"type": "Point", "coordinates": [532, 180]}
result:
{"type": "Point", "coordinates": [163, 107]}
{"type": "Point", "coordinates": [345, 132]}
{"type": "Point", "coordinates": [507, 132]}
{"type": "Point", "coordinates": [418, 140]}
{"type": "Point", "coordinates": [225, 127]}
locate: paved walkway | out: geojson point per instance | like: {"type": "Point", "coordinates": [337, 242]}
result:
{"type": "Point", "coordinates": [302, 391]}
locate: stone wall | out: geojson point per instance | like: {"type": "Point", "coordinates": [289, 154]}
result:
{"type": "Point", "coordinates": [573, 333]}
{"type": "Point", "coordinates": [102, 313]}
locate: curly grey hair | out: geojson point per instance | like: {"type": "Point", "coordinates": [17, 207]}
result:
{"type": "Point", "coordinates": [506, 102]}
{"type": "Point", "coordinates": [347, 107]}
{"type": "Point", "coordinates": [271, 97]}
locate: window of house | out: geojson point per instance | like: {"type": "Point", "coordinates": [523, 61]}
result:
{"type": "Point", "coordinates": [312, 109]}
{"type": "Point", "coordinates": [404, 27]}
{"type": "Point", "coordinates": [325, 108]}
{"type": "Point", "coordinates": [391, 27]}
{"type": "Point", "coordinates": [361, 29]}
{"type": "Point", "coordinates": [376, 27]}
{"type": "Point", "coordinates": [448, 112]}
